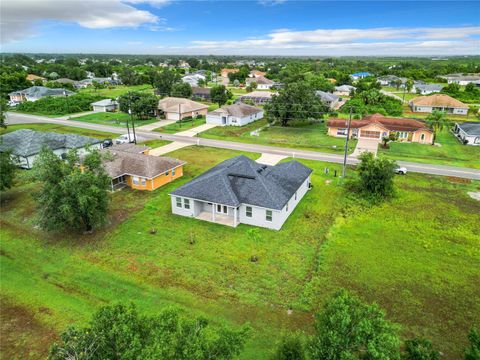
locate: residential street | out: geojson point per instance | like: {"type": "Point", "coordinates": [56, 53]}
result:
{"type": "Point", "coordinates": [16, 118]}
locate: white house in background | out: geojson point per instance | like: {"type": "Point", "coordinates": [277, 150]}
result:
{"type": "Point", "coordinates": [262, 82]}
{"type": "Point", "coordinates": [468, 133]}
{"type": "Point", "coordinates": [426, 89]}
{"type": "Point", "coordinates": [174, 108]}
{"type": "Point", "coordinates": [441, 102]}
{"type": "Point", "coordinates": [37, 92]}
{"type": "Point", "coordinates": [462, 79]}
{"type": "Point", "coordinates": [193, 79]}
{"type": "Point", "coordinates": [344, 90]}
{"type": "Point", "coordinates": [234, 115]}
{"type": "Point", "coordinates": [25, 145]}
{"type": "Point", "coordinates": [360, 75]}
{"type": "Point", "coordinates": [391, 80]}
{"type": "Point", "coordinates": [242, 191]}
{"type": "Point", "coordinates": [106, 105]}
{"type": "Point", "coordinates": [329, 99]}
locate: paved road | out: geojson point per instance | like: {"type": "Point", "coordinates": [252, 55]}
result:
{"type": "Point", "coordinates": [14, 118]}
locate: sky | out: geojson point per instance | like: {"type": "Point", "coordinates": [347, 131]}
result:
{"type": "Point", "coordinates": [248, 27]}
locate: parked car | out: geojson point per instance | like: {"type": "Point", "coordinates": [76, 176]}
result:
{"type": "Point", "coordinates": [107, 143]}
{"type": "Point", "coordinates": [125, 138]}
{"type": "Point", "coordinates": [401, 170]}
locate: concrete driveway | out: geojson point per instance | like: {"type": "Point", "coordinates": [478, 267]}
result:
{"type": "Point", "coordinates": [370, 145]}
{"type": "Point", "coordinates": [156, 125]}
{"type": "Point", "coordinates": [196, 130]}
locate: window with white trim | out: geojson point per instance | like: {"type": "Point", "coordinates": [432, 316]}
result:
{"type": "Point", "coordinates": [248, 211]}
{"type": "Point", "coordinates": [268, 215]}
{"type": "Point", "coordinates": [179, 202]}
{"type": "Point", "coordinates": [144, 181]}
{"type": "Point", "coordinates": [186, 203]}
{"type": "Point", "coordinates": [173, 172]}
{"type": "Point", "coordinates": [422, 137]}
{"type": "Point", "coordinates": [136, 180]}
{"type": "Point", "coordinates": [341, 132]}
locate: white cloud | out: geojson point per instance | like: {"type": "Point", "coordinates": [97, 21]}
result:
{"type": "Point", "coordinates": [271, 2]}
{"type": "Point", "coordinates": [19, 17]}
{"type": "Point", "coordinates": [381, 41]}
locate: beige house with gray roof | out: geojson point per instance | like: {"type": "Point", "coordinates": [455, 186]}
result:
{"type": "Point", "coordinates": [175, 108]}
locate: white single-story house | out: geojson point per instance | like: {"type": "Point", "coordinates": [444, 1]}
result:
{"type": "Point", "coordinates": [106, 105]}
{"type": "Point", "coordinates": [242, 191]}
{"type": "Point", "coordinates": [439, 102]}
{"type": "Point", "coordinates": [344, 90]}
{"type": "Point", "coordinates": [468, 133]}
{"type": "Point", "coordinates": [329, 99]}
{"type": "Point", "coordinates": [234, 115]}
{"type": "Point", "coordinates": [391, 80]}
{"type": "Point", "coordinates": [462, 79]}
{"type": "Point", "coordinates": [193, 79]}
{"type": "Point", "coordinates": [360, 75]}
{"type": "Point", "coordinates": [37, 92]}
{"type": "Point", "coordinates": [262, 82]}
{"type": "Point", "coordinates": [175, 108]}
{"type": "Point", "coordinates": [25, 145]}
{"type": "Point", "coordinates": [426, 89]}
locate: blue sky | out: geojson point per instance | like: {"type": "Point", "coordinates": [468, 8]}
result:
{"type": "Point", "coordinates": [265, 27]}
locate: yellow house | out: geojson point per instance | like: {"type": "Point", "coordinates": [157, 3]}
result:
{"type": "Point", "coordinates": [377, 127]}
{"type": "Point", "coordinates": [131, 165]}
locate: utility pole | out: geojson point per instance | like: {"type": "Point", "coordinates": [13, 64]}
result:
{"type": "Point", "coordinates": [133, 126]}
{"type": "Point", "coordinates": [346, 145]}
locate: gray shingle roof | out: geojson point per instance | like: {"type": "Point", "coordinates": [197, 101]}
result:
{"type": "Point", "coordinates": [29, 142]}
{"type": "Point", "coordinates": [471, 128]}
{"type": "Point", "coordinates": [238, 110]}
{"type": "Point", "coordinates": [326, 96]}
{"type": "Point", "coordinates": [41, 91]}
{"type": "Point", "coordinates": [241, 180]}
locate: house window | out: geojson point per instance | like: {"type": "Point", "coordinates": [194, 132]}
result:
{"type": "Point", "coordinates": [179, 202]}
{"type": "Point", "coordinates": [186, 203]}
{"type": "Point", "coordinates": [173, 172]}
{"type": "Point", "coordinates": [144, 182]}
{"type": "Point", "coordinates": [168, 172]}
{"type": "Point", "coordinates": [422, 137]}
{"type": "Point", "coordinates": [268, 215]}
{"type": "Point", "coordinates": [248, 211]}
{"type": "Point", "coordinates": [219, 208]}
{"type": "Point", "coordinates": [341, 132]}
{"type": "Point", "coordinates": [136, 180]}
{"type": "Point", "coordinates": [222, 209]}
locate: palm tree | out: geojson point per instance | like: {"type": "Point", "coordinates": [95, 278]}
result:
{"type": "Point", "coordinates": [437, 121]}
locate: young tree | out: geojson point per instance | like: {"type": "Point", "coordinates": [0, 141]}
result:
{"type": "Point", "coordinates": [350, 329]}
{"type": "Point", "coordinates": [3, 110]}
{"type": "Point", "coordinates": [290, 347]}
{"type": "Point", "coordinates": [473, 351]}
{"type": "Point", "coordinates": [220, 95]}
{"type": "Point", "coordinates": [375, 175]}
{"type": "Point", "coordinates": [120, 332]}
{"type": "Point", "coordinates": [409, 85]}
{"type": "Point", "coordinates": [73, 194]}
{"type": "Point", "coordinates": [7, 170]}
{"type": "Point", "coordinates": [398, 83]}
{"type": "Point", "coordinates": [143, 105]}
{"type": "Point", "coordinates": [420, 349]}
{"type": "Point", "coordinates": [437, 121]}
{"type": "Point", "coordinates": [296, 101]}
{"type": "Point", "coordinates": [164, 82]}
{"type": "Point", "coordinates": [181, 89]}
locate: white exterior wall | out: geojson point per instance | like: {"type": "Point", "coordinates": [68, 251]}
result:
{"type": "Point", "coordinates": [232, 120]}
{"type": "Point", "coordinates": [264, 86]}
{"type": "Point", "coordinates": [103, 108]}
{"type": "Point", "coordinates": [472, 139]}
{"type": "Point", "coordinates": [172, 116]}
{"type": "Point", "coordinates": [429, 109]}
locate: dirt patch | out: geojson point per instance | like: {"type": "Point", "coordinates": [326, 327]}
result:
{"type": "Point", "coordinates": [23, 336]}
{"type": "Point", "coordinates": [458, 180]}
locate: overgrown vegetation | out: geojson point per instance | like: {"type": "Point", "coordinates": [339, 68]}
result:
{"type": "Point", "coordinates": [59, 105]}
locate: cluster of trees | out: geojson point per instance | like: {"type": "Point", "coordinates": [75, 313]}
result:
{"type": "Point", "coordinates": [296, 101]}
{"type": "Point", "coordinates": [471, 93]}
{"type": "Point", "coordinates": [347, 328]}
{"type": "Point", "coordinates": [59, 105]}
{"type": "Point", "coordinates": [141, 105]}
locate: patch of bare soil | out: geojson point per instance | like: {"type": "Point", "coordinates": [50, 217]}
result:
{"type": "Point", "coordinates": [22, 336]}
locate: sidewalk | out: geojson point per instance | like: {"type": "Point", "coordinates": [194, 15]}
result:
{"type": "Point", "coordinates": [270, 159]}
{"type": "Point", "coordinates": [196, 130]}
{"type": "Point", "coordinates": [156, 125]}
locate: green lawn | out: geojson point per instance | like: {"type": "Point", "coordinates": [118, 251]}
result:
{"type": "Point", "coordinates": [304, 137]}
{"type": "Point", "coordinates": [113, 119]}
{"type": "Point", "coordinates": [451, 152]}
{"type": "Point", "coordinates": [155, 143]}
{"type": "Point", "coordinates": [116, 91]}
{"type": "Point", "coordinates": [59, 129]}
{"type": "Point", "coordinates": [416, 255]}
{"type": "Point", "coordinates": [181, 126]}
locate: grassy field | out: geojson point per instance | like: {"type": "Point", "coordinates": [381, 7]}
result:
{"type": "Point", "coordinates": [451, 152]}
{"type": "Point", "coordinates": [181, 126]}
{"type": "Point", "coordinates": [422, 268]}
{"type": "Point", "coordinates": [116, 91]}
{"type": "Point", "coordinates": [59, 129]}
{"type": "Point", "coordinates": [113, 119]}
{"type": "Point", "coordinates": [305, 137]}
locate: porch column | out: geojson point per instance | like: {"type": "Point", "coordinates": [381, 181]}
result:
{"type": "Point", "coordinates": [234, 217]}
{"type": "Point", "coordinates": [213, 212]}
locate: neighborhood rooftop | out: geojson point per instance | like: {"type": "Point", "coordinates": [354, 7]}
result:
{"type": "Point", "coordinates": [470, 128]}
{"type": "Point", "coordinates": [438, 100]}
{"type": "Point", "coordinates": [242, 180]}
{"type": "Point", "coordinates": [129, 160]}
{"type": "Point", "coordinates": [41, 91]}
{"type": "Point", "coordinates": [173, 104]}
{"type": "Point", "coordinates": [29, 142]}
{"type": "Point", "coordinates": [393, 124]}
{"type": "Point", "coordinates": [237, 110]}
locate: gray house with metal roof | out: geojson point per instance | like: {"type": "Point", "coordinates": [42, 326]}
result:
{"type": "Point", "coordinates": [242, 191]}
{"type": "Point", "coordinates": [25, 145]}
{"type": "Point", "coordinates": [468, 132]}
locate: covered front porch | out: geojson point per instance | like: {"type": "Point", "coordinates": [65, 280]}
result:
{"type": "Point", "coordinates": [217, 213]}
